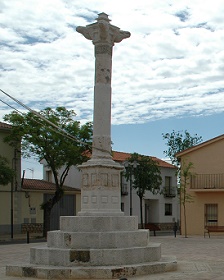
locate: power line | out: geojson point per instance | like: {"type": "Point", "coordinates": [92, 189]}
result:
{"type": "Point", "coordinates": [51, 128]}
{"type": "Point", "coordinates": [10, 106]}
{"type": "Point", "coordinates": [62, 131]}
{"type": "Point", "coordinates": [40, 116]}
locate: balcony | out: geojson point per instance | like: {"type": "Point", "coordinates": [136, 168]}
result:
{"type": "Point", "coordinates": [207, 182]}
{"type": "Point", "coordinates": [170, 191]}
{"type": "Point", "coordinates": [124, 189]}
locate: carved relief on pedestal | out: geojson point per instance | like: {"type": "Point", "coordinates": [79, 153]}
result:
{"type": "Point", "coordinates": [114, 199]}
{"type": "Point", "coordinates": [115, 180]}
{"type": "Point", "coordinates": [94, 180]}
{"type": "Point", "coordinates": [85, 180]}
{"type": "Point", "coordinates": [104, 199]}
{"type": "Point", "coordinates": [104, 179]}
{"type": "Point", "coordinates": [85, 199]}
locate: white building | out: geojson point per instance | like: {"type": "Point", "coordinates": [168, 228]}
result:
{"type": "Point", "coordinates": [161, 209]}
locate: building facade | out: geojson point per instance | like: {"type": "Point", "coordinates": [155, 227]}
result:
{"type": "Point", "coordinates": [20, 201]}
{"type": "Point", "coordinates": [161, 209]}
{"type": "Point", "coordinates": [205, 185]}
{"type": "Point", "coordinates": [10, 199]}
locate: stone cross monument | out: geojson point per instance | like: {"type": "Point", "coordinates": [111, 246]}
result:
{"type": "Point", "coordinates": [101, 175]}
{"type": "Point", "coordinates": [99, 243]}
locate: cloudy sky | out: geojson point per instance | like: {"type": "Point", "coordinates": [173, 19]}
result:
{"type": "Point", "coordinates": [169, 74]}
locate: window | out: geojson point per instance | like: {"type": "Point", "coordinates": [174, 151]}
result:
{"type": "Point", "coordinates": [167, 182]}
{"type": "Point", "coordinates": [124, 189]}
{"type": "Point", "coordinates": [32, 210]}
{"type": "Point", "coordinates": [169, 191]}
{"type": "Point", "coordinates": [26, 220]}
{"type": "Point", "coordinates": [122, 206]}
{"type": "Point", "coordinates": [33, 220]}
{"type": "Point", "coordinates": [168, 209]}
{"type": "Point", "coordinates": [211, 214]}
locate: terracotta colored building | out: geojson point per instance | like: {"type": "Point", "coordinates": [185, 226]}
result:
{"type": "Point", "coordinates": [205, 185]}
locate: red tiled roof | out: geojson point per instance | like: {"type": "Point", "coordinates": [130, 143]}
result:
{"type": "Point", "coordinates": [37, 185]}
{"type": "Point", "coordinates": [5, 125]}
{"type": "Point", "coordinates": [121, 157]}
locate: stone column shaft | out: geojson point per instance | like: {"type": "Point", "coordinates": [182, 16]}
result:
{"type": "Point", "coordinates": [100, 193]}
{"type": "Point", "coordinates": [102, 102]}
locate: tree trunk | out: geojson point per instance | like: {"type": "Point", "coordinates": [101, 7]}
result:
{"type": "Point", "coordinates": [185, 222]}
{"type": "Point", "coordinates": [185, 216]}
{"type": "Point", "coordinates": [47, 221]}
{"type": "Point", "coordinates": [47, 207]}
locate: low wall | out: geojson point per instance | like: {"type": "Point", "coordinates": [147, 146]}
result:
{"type": "Point", "coordinates": [32, 228]}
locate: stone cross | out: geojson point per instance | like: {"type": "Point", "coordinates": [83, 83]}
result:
{"type": "Point", "coordinates": [100, 192]}
{"type": "Point", "coordinates": [103, 36]}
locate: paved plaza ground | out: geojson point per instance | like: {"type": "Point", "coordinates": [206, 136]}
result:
{"type": "Point", "coordinates": [197, 257]}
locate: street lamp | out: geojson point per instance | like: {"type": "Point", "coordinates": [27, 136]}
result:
{"type": "Point", "coordinates": [13, 188]}
{"type": "Point", "coordinates": [130, 166]}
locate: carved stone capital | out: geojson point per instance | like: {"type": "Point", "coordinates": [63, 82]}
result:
{"type": "Point", "coordinates": [103, 32]}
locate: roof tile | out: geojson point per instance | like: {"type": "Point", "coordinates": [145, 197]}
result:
{"type": "Point", "coordinates": [5, 125]}
{"type": "Point", "coordinates": [121, 157]}
{"type": "Point", "coordinates": [35, 184]}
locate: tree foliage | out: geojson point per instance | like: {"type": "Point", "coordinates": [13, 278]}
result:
{"type": "Point", "coordinates": [6, 173]}
{"type": "Point", "coordinates": [61, 145]}
{"type": "Point", "coordinates": [146, 176]}
{"type": "Point", "coordinates": [177, 142]}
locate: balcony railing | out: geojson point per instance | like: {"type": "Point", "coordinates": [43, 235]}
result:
{"type": "Point", "coordinates": [207, 181]}
{"type": "Point", "coordinates": [170, 191]}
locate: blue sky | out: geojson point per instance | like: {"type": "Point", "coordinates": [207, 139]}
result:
{"type": "Point", "coordinates": [147, 138]}
{"type": "Point", "coordinates": [167, 76]}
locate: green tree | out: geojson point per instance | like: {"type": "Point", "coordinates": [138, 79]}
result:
{"type": "Point", "coordinates": [52, 135]}
{"type": "Point", "coordinates": [146, 177]}
{"type": "Point", "coordinates": [177, 142]}
{"type": "Point", "coordinates": [6, 173]}
{"type": "Point", "coordinates": [185, 197]}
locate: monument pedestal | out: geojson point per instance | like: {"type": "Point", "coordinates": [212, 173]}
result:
{"type": "Point", "coordinates": [95, 247]}
{"type": "Point", "coordinates": [101, 193]}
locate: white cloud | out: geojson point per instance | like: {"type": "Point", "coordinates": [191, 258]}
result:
{"type": "Point", "coordinates": [172, 64]}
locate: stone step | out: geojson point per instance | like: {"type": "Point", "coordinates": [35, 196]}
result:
{"type": "Point", "coordinates": [98, 223]}
{"type": "Point", "coordinates": [165, 264]}
{"type": "Point", "coordinates": [94, 257]}
{"type": "Point", "coordinates": [98, 240]}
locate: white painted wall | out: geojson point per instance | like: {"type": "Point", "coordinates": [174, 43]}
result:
{"type": "Point", "coordinates": [156, 203]}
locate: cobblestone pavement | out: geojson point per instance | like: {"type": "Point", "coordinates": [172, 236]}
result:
{"type": "Point", "coordinates": [197, 257]}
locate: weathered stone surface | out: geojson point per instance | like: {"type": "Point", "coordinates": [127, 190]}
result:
{"type": "Point", "coordinates": [98, 223]}
{"type": "Point", "coordinates": [103, 240]}
{"type": "Point", "coordinates": [165, 264]}
{"type": "Point", "coordinates": [95, 257]}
